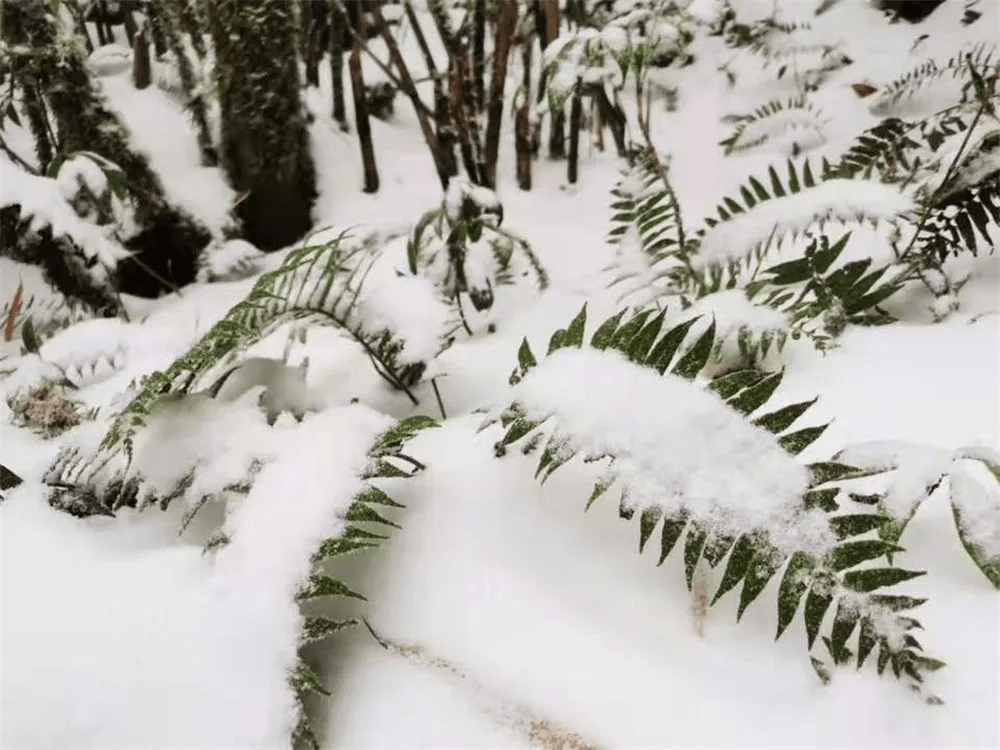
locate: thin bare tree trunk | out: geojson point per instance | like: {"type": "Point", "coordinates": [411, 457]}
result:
{"type": "Point", "coordinates": [410, 89]}
{"type": "Point", "coordinates": [361, 122]}
{"type": "Point", "coordinates": [361, 115]}
{"type": "Point", "coordinates": [506, 26]}
{"type": "Point", "coordinates": [442, 112]}
{"type": "Point", "coordinates": [457, 86]}
{"type": "Point", "coordinates": [597, 118]}
{"type": "Point", "coordinates": [574, 134]}
{"type": "Point", "coordinates": [522, 121]}
{"type": "Point", "coordinates": [478, 56]}
{"type": "Point", "coordinates": [338, 33]}
{"type": "Point", "coordinates": [141, 72]}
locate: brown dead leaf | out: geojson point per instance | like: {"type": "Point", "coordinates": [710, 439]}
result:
{"type": "Point", "coordinates": [863, 89]}
{"type": "Point", "coordinates": [15, 309]}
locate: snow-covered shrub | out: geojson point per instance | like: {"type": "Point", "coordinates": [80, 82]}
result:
{"type": "Point", "coordinates": [664, 443]}
{"type": "Point", "coordinates": [462, 249]}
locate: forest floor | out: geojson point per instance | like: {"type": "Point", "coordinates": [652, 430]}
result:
{"type": "Point", "coordinates": [112, 635]}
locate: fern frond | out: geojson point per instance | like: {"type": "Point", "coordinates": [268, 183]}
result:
{"type": "Point", "coordinates": [773, 119]}
{"type": "Point", "coordinates": [962, 222]}
{"type": "Point", "coordinates": [821, 575]}
{"type": "Point", "coordinates": [644, 203]}
{"type": "Point", "coordinates": [320, 282]}
{"type": "Point", "coordinates": [981, 57]}
{"type": "Point", "coordinates": [821, 298]}
{"type": "Point", "coordinates": [355, 537]}
{"type": "Point", "coordinates": [776, 207]}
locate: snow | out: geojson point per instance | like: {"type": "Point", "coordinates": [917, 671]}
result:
{"type": "Point", "coordinates": [977, 502]}
{"type": "Point", "coordinates": [42, 203]}
{"type": "Point", "coordinates": [670, 437]}
{"type": "Point", "coordinates": [832, 200]}
{"type": "Point", "coordinates": [121, 633]}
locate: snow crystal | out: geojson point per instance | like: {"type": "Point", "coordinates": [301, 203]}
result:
{"type": "Point", "coordinates": [678, 445]}
{"type": "Point", "coordinates": [832, 200]}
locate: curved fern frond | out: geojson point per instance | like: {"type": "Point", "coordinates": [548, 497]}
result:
{"type": "Point", "coordinates": [789, 206]}
{"type": "Point", "coordinates": [821, 546]}
{"type": "Point", "coordinates": [774, 119]}
{"type": "Point", "coordinates": [644, 203]}
{"type": "Point", "coordinates": [981, 58]}
{"type": "Point", "coordinates": [356, 536]}
{"type": "Point", "coordinates": [321, 282]}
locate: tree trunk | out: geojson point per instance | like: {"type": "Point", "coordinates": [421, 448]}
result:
{"type": "Point", "coordinates": [141, 73]}
{"type": "Point", "coordinates": [506, 26]}
{"type": "Point", "coordinates": [265, 139]}
{"type": "Point", "coordinates": [410, 89]}
{"type": "Point", "coordinates": [522, 144]}
{"type": "Point", "coordinates": [478, 55]}
{"type": "Point", "coordinates": [574, 134]}
{"type": "Point", "coordinates": [171, 21]}
{"type": "Point", "coordinates": [557, 120]}
{"type": "Point", "coordinates": [442, 115]}
{"type": "Point", "coordinates": [522, 123]}
{"type": "Point", "coordinates": [338, 33]}
{"type": "Point", "coordinates": [361, 122]}
{"type": "Point", "coordinates": [461, 122]}
{"type": "Point", "coordinates": [313, 21]}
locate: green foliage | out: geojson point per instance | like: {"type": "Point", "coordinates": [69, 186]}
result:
{"type": "Point", "coordinates": [752, 559]}
{"type": "Point", "coordinates": [981, 57]}
{"type": "Point", "coordinates": [967, 496]}
{"type": "Point", "coordinates": [357, 535]}
{"type": "Point", "coordinates": [645, 202]}
{"type": "Point", "coordinates": [769, 120]}
{"type": "Point", "coordinates": [320, 282]}
{"type": "Point", "coordinates": [821, 298]}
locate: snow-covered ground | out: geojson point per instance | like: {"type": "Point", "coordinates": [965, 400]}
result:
{"type": "Point", "coordinates": [533, 616]}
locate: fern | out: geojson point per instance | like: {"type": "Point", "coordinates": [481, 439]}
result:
{"type": "Point", "coordinates": [385, 456]}
{"type": "Point", "coordinates": [773, 119]}
{"type": "Point", "coordinates": [980, 58]}
{"type": "Point", "coordinates": [770, 209]}
{"type": "Point", "coordinates": [320, 282]}
{"type": "Point", "coordinates": [753, 557]}
{"type": "Point", "coordinates": [644, 201]}
{"type": "Point", "coordinates": [962, 223]}
{"type": "Point", "coordinates": [462, 248]}
{"type": "Point", "coordinates": [820, 298]}
{"type": "Point", "coordinates": [920, 471]}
